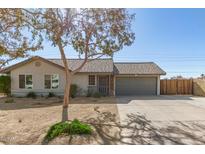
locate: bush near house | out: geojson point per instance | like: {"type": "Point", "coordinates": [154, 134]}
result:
{"type": "Point", "coordinates": [9, 101]}
{"type": "Point", "coordinates": [89, 94]}
{"type": "Point", "coordinates": [5, 84]}
{"type": "Point", "coordinates": [31, 95]}
{"type": "Point", "coordinates": [93, 93]}
{"type": "Point", "coordinates": [51, 94]}
{"type": "Point", "coordinates": [68, 128]}
{"type": "Point", "coordinates": [73, 90]}
{"type": "Point", "coordinates": [97, 95]}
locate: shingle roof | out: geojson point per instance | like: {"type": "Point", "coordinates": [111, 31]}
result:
{"type": "Point", "coordinates": [99, 65]}
{"type": "Point", "coordinates": [138, 68]}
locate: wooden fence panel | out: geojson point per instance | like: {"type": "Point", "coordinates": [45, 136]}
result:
{"type": "Point", "coordinates": [171, 87]}
{"type": "Point", "coordinates": [163, 87]}
{"type": "Point", "coordinates": [186, 87]}
{"type": "Point", "coordinates": [191, 86]}
{"type": "Point", "coordinates": [176, 87]}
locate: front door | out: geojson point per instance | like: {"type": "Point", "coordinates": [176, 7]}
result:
{"type": "Point", "coordinates": [103, 84]}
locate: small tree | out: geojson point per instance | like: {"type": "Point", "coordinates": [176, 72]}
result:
{"type": "Point", "coordinates": [92, 33]}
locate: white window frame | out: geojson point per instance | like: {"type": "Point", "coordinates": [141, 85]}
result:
{"type": "Point", "coordinates": [26, 86]}
{"type": "Point", "coordinates": [95, 80]}
{"type": "Point", "coordinates": [51, 75]}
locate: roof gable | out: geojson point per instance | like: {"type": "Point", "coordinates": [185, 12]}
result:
{"type": "Point", "coordinates": [27, 61]}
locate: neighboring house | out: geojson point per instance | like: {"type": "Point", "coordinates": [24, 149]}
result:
{"type": "Point", "coordinates": [101, 75]}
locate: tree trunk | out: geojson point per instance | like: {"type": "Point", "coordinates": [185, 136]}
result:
{"type": "Point", "coordinates": [68, 76]}
{"type": "Point", "coordinates": [66, 99]}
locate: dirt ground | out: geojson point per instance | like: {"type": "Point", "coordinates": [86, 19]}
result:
{"type": "Point", "coordinates": [123, 120]}
{"type": "Point", "coordinates": [27, 120]}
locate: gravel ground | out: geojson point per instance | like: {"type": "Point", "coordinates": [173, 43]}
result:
{"type": "Point", "coordinates": [26, 121]}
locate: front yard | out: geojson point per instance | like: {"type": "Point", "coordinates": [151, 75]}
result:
{"type": "Point", "coordinates": [121, 120]}
{"type": "Point", "coordinates": [26, 121]}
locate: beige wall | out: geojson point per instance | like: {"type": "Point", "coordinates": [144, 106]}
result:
{"type": "Point", "coordinates": [81, 79]}
{"type": "Point", "coordinates": [199, 87]}
{"type": "Point", "coordinates": [38, 79]}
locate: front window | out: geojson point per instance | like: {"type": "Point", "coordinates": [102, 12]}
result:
{"type": "Point", "coordinates": [47, 81]}
{"type": "Point", "coordinates": [51, 81]}
{"type": "Point", "coordinates": [29, 83]}
{"type": "Point", "coordinates": [25, 82]}
{"type": "Point", "coordinates": [55, 81]}
{"type": "Point", "coordinates": [91, 80]}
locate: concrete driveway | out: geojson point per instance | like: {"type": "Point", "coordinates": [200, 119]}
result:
{"type": "Point", "coordinates": [162, 119]}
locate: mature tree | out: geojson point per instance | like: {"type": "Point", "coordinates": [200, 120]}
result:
{"type": "Point", "coordinates": [92, 33]}
{"type": "Point", "coordinates": [16, 36]}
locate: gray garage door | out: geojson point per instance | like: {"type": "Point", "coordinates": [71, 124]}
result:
{"type": "Point", "coordinates": [136, 86]}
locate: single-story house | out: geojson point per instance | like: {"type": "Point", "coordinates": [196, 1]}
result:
{"type": "Point", "coordinates": [42, 76]}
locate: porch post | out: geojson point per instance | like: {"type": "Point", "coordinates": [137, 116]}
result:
{"type": "Point", "coordinates": [158, 85]}
{"type": "Point", "coordinates": [111, 85]}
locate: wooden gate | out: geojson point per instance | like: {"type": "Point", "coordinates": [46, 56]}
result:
{"type": "Point", "coordinates": [176, 87]}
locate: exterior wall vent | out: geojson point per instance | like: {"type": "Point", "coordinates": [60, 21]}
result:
{"type": "Point", "coordinates": [37, 64]}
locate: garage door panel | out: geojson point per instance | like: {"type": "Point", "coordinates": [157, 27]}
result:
{"type": "Point", "coordinates": [136, 86]}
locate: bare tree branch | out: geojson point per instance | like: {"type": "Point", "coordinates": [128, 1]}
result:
{"type": "Point", "coordinates": [81, 66]}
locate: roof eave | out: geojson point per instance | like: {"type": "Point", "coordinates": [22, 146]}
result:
{"type": "Point", "coordinates": [140, 73]}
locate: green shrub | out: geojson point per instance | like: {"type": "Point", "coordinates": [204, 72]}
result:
{"type": "Point", "coordinates": [9, 101]}
{"type": "Point", "coordinates": [97, 95]}
{"type": "Point", "coordinates": [76, 127]}
{"type": "Point", "coordinates": [69, 128]}
{"type": "Point", "coordinates": [73, 90]}
{"type": "Point", "coordinates": [51, 94]}
{"type": "Point", "coordinates": [5, 84]}
{"type": "Point", "coordinates": [31, 95]}
{"type": "Point", "coordinates": [89, 94]}
{"type": "Point", "coordinates": [56, 130]}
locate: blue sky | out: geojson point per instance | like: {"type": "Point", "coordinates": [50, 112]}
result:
{"type": "Point", "coordinates": [172, 38]}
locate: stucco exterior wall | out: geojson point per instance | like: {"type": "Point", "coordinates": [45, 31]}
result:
{"type": "Point", "coordinates": [81, 80]}
{"type": "Point", "coordinates": [38, 73]}
{"type": "Point", "coordinates": [199, 87]}
{"type": "Point", "coordinates": [38, 79]}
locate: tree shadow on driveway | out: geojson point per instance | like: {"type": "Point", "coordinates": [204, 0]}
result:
{"type": "Point", "coordinates": [139, 130]}
{"type": "Point", "coordinates": [171, 98]}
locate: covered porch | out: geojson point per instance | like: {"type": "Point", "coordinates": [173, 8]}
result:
{"type": "Point", "coordinates": [103, 84]}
